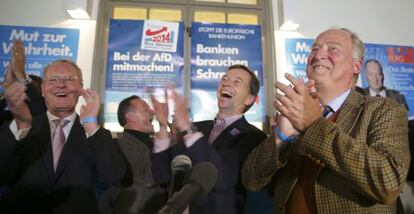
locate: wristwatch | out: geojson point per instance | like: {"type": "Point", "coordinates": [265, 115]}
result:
{"type": "Point", "coordinates": [190, 130]}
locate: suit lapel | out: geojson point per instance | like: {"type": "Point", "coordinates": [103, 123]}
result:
{"type": "Point", "coordinates": [42, 135]}
{"type": "Point", "coordinates": [229, 135]}
{"type": "Point", "coordinates": [350, 111]}
{"type": "Point", "coordinates": [76, 137]}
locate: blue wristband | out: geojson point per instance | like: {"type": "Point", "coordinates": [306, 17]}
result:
{"type": "Point", "coordinates": [283, 137]}
{"type": "Point", "coordinates": [1, 90]}
{"type": "Point", "coordinates": [89, 120]}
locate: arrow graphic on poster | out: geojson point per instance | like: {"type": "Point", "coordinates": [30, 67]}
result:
{"type": "Point", "coordinates": [155, 32]}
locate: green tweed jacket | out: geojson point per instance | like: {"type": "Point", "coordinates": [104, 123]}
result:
{"type": "Point", "coordinates": [364, 155]}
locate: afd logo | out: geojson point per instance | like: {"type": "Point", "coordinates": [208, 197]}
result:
{"type": "Point", "coordinates": [160, 35]}
{"type": "Point", "coordinates": [401, 55]}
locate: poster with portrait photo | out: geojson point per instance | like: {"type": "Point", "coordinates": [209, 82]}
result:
{"type": "Point", "coordinates": [397, 63]}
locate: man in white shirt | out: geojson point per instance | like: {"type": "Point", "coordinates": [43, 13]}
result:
{"type": "Point", "coordinates": [375, 78]}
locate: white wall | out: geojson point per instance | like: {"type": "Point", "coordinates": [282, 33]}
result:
{"type": "Point", "coordinates": [52, 13]}
{"type": "Point", "coordinates": [375, 21]}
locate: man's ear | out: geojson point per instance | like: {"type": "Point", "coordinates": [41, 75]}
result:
{"type": "Point", "coordinates": [129, 116]}
{"type": "Point", "coordinates": [357, 66]}
{"type": "Point", "coordinates": [250, 100]}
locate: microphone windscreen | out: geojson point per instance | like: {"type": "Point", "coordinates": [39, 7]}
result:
{"type": "Point", "coordinates": [181, 163]}
{"type": "Point", "coordinates": [204, 174]}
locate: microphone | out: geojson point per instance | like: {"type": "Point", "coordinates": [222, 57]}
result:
{"type": "Point", "coordinates": [180, 166]}
{"type": "Point", "coordinates": [202, 179]}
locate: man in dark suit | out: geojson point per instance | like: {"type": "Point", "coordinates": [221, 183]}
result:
{"type": "Point", "coordinates": [225, 141]}
{"type": "Point", "coordinates": [334, 150]}
{"type": "Point", "coordinates": [52, 161]}
{"type": "Point", "coordinates": [143, 195]}
{"type": "Point", "coordinates": [375, 78]}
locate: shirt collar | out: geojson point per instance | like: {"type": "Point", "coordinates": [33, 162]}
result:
{"type": "Point", "coordinates": [231, 119]}
{"type": "Point", "coordinates": [52, 117]}
{"type": "Point", "coordinates": [382, 93]}
{"type": "Point", "coordinates": [337, 102]}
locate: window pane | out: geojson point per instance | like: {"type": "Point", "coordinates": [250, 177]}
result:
{"type": "Point", "coordinates": [211, 0]}
{"type": "Point", "coordinates": [208, 16]}
{"type": "Point", "coordinates": [165, 14]}
{"type": "Point", "coordinates": [251, 2]}
{"type": "Point", "coordinates": [130, 13]}
{"type": "Point", "coordinates": [238, 18]}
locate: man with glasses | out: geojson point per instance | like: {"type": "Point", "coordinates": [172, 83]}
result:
{"type": "Point", "coordinates": [54, 160]}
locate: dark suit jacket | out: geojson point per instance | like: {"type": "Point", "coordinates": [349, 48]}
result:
{"type": "Point", "coordinates": [36, 188]}
{"type": "Point", "coordinates": [393, 95]}
{"type": "Point", "coordinates": [364, 157]}
{"type": "Point", "coordinates": [228, 153]}
{"type": "Point", "coordinates": [143, 195]}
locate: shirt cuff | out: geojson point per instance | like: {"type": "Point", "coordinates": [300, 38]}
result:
{"type": "Point", "coordinates": [190, 139]}
{"type": "Point", "coordinates": [160, 145]}
{"type": "Point", "coordinates": [18, 133]}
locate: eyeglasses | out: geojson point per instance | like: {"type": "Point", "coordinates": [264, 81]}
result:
{"type": "Point", "coordinates": [53, 80]}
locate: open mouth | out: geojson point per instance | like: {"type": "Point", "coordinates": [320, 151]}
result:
{"type": "Point", "coordinates": [226, 94]}
{"type": "Point", "coordinates": [61, 94]}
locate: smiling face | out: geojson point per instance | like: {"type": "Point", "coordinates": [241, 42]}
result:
{"type": "Point", "coordinates": [61, 88]}
{"type": "Point", "coordinates": [139, 117]}
{"type": "Point", "coordinates": [233, 93]}
{"type": "Point", "coordinates": [331, 63]}
{"type": "Point", "coordinates": [374, 76]}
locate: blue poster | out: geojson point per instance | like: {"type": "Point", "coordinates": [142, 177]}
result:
{"type": "Point", "coordinates": [42, 46]}
{"type": "Point", "coordinates": [398, 67]}
{"type": "Point", "coordinates": [215, 47]}
{"type": "Point", "coordinates": [397, 63]}
{"type": "Point", "coordinates": [297, 52]}
{"type": "Point", "coordinates": [142, 55]}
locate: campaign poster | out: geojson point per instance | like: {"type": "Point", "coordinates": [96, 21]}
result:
{"type": "Point", "coordinates": [297, 52]}
{"type": "Point", "coordinates": [143, 56]}
{"type": "Point", "coordinates": [397, 64]}
{"type": "Point", "coordinates": [42, 45]}
{"type": "Point", "coordinates": [398, 67]}
{"type": "Point", "coordinates": [215, 47]}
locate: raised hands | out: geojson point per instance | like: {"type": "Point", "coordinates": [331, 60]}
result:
{"type": "Point", "coordinates": [15, 95]}
{"type": "Point", "coordinates": [161, 114]}
{"type": "Point", "coordinates": [89, 111]}
{"type": "Point", "coordinates": [299, 104]}
{"type": "Point", "coordinates": [181, 117]}
{"type": "Point", "coordinates": [18, 61]}
{"type": "Point", "coordinates": [15, 89]}
{"type": "Point", "coordinates": [161, 110]}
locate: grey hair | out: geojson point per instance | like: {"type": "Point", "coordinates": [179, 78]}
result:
{"type": "Point", "coordinates": [358, 48]}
